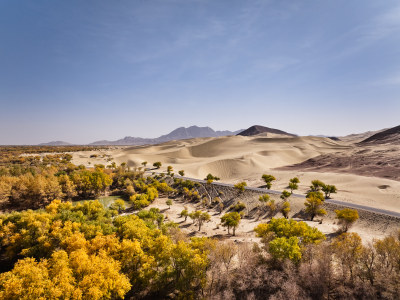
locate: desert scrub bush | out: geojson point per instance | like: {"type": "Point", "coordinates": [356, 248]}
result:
{"type": "Point", "coordinates": [285, 238]}
{"type": "Point", "coordinates": [285, 195]}
{"type": "Point", "coordinates": [328, 190]}
{"type": "Point", "coordinates": [239, 206]}
{"type": "Point", "coordinates": [184, 213]}
{"type": "Point", "coordinates": [314, 203]}
{"type": "Point", "coordinates": [210, 178]}
{"type": "Point", "coordinates": [152, 193]}
{"type": "Point", "coordinates": [157, 164]}
{"type": "Point", "coordinates": [241, 186]}
{"type": "Point", "coordinates": [293, 184]}
{"type": "Point", "coordinates": [268, 180]}
{"type": "Point", "coordinates": [169, 203]}
{"type": "Point", "coordinates": [316, 185]}
{"type": "Point", "coordinates": [347, 217]}
{"type": "Point", "coordinates": [264, 199]}
{"type": "Point", "coordinates": [216, 201]}
{"type": "Point", "coordinates": [285, 209]}
{"type": "Point", "coordinates": [231, 220]}
{"type": "Point", "coordinates": [169, 170]}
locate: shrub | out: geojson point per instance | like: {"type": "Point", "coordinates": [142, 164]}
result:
{"type": "Point", "coordinates": [328, 190]}
{"type": "Point", "coordinates": [239, 206]}
{"type": "Point", "coordinates": [240, 186]}
{"type": "Point", "coordinates": [157, 164]}
{"type": "Point", "coordinates": [231, 220]}
{"type": "Point", "coordinates": [313, 204]}
{"type": "Point", "coordinates": [285, 210]}
{"type": "Point", "coordinates": [268, 179]}
{"type": "Point", "coordinates": [139, 201]}
{"type": "Point", "coordinates": [346, 217]}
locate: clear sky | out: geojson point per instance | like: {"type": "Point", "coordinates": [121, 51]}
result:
{"type": "Point", "coordinates": [81, 71]}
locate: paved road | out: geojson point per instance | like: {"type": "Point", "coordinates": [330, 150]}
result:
{"type": "Point", "coordinates": [332, 201]}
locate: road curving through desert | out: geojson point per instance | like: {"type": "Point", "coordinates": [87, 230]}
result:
{"type": "Point", "coordinates": [331, 201]}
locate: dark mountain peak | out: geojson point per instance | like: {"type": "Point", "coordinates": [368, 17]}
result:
{"type": "Point", "coordinates": [391, 135]}
{"type": "Point", "coordinates": [188, 133]}
{"type": "Point", "coordinates": [257, 129]}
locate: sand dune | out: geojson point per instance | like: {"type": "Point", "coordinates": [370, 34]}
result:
{"type": "Point", "coordinates": [238, 158]}
{"type": "Point", "coordinates": [229, 157]}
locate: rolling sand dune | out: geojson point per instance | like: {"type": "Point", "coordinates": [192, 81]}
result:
{"type": "Point", "coordinates": [238, 158]}
{"type": "Point", "coordinates": [370, 160]}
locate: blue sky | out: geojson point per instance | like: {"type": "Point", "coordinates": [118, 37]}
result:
{"type": "Point", "coordinates": [81, 71]}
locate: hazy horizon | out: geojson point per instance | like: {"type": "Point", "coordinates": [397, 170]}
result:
{"type": "Point", "coordinates": [165, 133]}
{"type": "Point", "coordinates": [97, 70]}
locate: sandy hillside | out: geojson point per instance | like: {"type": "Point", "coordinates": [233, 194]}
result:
{"type": "Point", "coordinates": [368, 229]}
{"type": "Point", "coordinates": [229, 157]}
{"type": "Point", "coordinates": [238, 158]}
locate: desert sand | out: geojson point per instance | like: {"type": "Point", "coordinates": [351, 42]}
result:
{"type": "Point", "coordinates": [238, 158]}
{"type": "Point", "coordinates": [368, 228]}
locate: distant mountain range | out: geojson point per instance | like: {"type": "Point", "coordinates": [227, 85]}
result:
{"type": "Point", "coordinates": [55, 143]}
{"type": "Point", "coordinates": [257, 129]}
{"type": "Point", "coordinates": [177, 134]}
{"type": "Point", "coordinates": [391, 135]}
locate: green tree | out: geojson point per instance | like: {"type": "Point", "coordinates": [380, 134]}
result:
{"type": "Point", "coordinates": [271, 206]}
{"type": "Point", "coordinates": [285, 210]}
{"type": "Point", "coordinates": [182, 173]}
{"type": "Point", "coordinates": [313, 204]}
{"type": "Point", "coordinates": [293, 184]}
{"type": "Point", "coordinates": [231, 220]}
{"type": "Point", "coordinates": [144, 164]}
{"type": "Point", "coordinates": [239, 206]}
{"type": "Point", "coordinates": [280, 233]}
{"type": "Point", "coordinates": [187, 266]}
{"type": "Point", "coordinates": [264, 199]}
{"type": "Point", "coordinates": [346, 217]}
{"type": "Point", "coordinates": [74, 276]}
{"type": "Point", "coordinates": [285, 195]}
{"type": "Point", "coordinates": [157, 164]}
{"type": "Point", "coordinates": [328, 190]}
{"type": "Point", "coordinates": [67, 186]}
{"type": "Point", "coordinates": [91, 184]}
{"type": "Point", "coordinates": [195, 215]}
{"type": "Point", "coordinates": [139, 201]}
{"type": "Point", "coordinates": [348, 249]}
{"type": "Point", "coordinates": [282, 227]}
{"type": "Point", "coordinates": [285, 248]}
{"type": "Point", "coordinates": [240, 187]}
{"type": "Point", "coordinates": [169, 170]}
{"type": "Point", "coordinates": [210, 178]}
{"type": "Point", "coordinates": [118, 205]}
{"type": "Point", "coordinates": [169, 203]}
{"type": "Point", "coordinates": [217, 200]}
{"type": "Point", "coordinates": [184, 213]}
{"type": "Point", "coordinates": [316, 185]}
{"type": "Point", "coordinates": [203, 217]}
{"type": "Point", "coordinates": [268, 180]}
